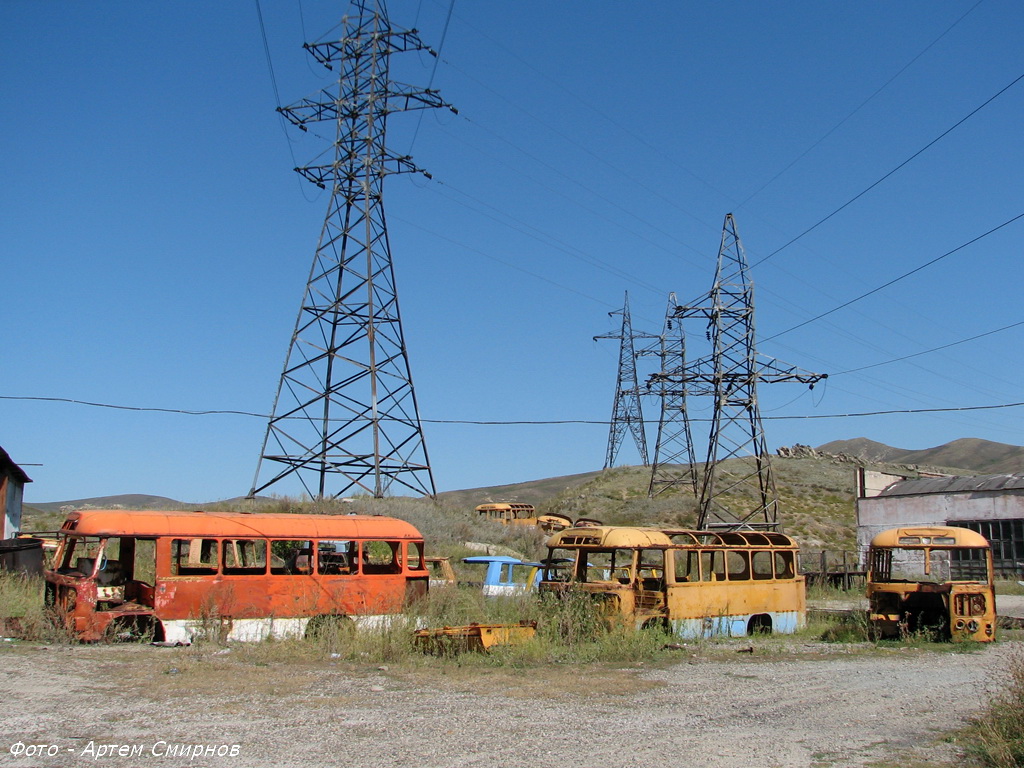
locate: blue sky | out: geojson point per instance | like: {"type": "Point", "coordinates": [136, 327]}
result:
{"type": "Point", "coordinates": [156, 242]}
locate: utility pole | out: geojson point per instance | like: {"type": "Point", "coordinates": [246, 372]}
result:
{"type": "Point", "coordinates": [345, 417]}
{"type": "Point", "coordinates": [741, 494]}
{"type": "Point", "coordinates": [675, 464]}
{"type": "Point", "coordinates": [627, 412]}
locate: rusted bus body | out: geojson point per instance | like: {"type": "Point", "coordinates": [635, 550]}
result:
{"type": "Point", "coordinates": [509, 513]}
{"type": "Point", "coordinates": [694, 583]}
{"type": "Point", "coordinates": [176, 575]}
{"type": "Point", "coordinates": [515, 513]}
{"type": "Point", "coordinates": [935, 579]}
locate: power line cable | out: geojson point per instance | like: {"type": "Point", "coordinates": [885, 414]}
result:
{"type": "Point", "coordinates": [928, 351]}
{"type": "Point", "coordinates": [858, 108]}
{"type": "Point", "coordinates": [537, 422]}
{"type": "Point", "coordinates": [919, 152]}
{"type": "Point", "coordinates": [897, 279]}
{"type": "Point", "coordinates": [277, 99]}
{"type": "Point", "coordinates": [433, 72]}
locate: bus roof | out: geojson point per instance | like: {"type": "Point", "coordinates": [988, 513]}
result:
{"type": "Point", "coordinates": [729, 538]}
{"type": "Point", "coordinates": [934, 537]}
{"type": "Point", "coordinates": [503, 559]}
{"type": "Point", "coordinates": [608, 537]}
{"type": "Point", "coordinates": [123, 522]}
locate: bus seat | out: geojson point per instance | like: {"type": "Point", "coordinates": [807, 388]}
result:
{"type": "Point", "coordinates": [111, 574]}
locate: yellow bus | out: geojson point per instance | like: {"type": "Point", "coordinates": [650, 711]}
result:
{"type": "Point", "coordinates": [936, 579]}
{"type": "Point", "coordinates": [692, 583]}
{"type": "Point", "coordinates": [516, 513]}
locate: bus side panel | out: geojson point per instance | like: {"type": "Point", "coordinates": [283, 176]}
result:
{"type": "Point", "coordinates": [194, 597]}
{"type": "Point", "coordinates": [704, 609]}
{"type": "Point", "coordinates": [367, 595]}
{"type": "Point", "coordinates": [214, 596]}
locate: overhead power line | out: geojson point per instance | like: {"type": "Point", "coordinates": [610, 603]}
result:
{"type": "Point", "coordinates": [897, 279]}
{"type": "Point", "coordinates": [536, 422]}
{"type": "Point", "coordinates": [933, 349]}
{"type": "Point", "coordinates": [919, 152]}
{"type": "Point", "coordinates": [859, 107]}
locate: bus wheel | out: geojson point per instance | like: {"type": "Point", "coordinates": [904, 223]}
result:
{"type": "Point", "coordinates": [333, 631]}
{"type": "Point", "coordinates": [759, 624]}
{"type": "Point", "coordinates": [134, 629]}
{"type": "Point", "coordinates": [659, 624]}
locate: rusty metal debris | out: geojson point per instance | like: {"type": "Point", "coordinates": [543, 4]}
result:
{"type": "Point", "coordinates": [443, 641]}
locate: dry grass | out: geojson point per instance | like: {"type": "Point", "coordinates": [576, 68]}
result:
{"type": "Point", "coordinates": [22, 610]}
{"type": "Point", "coordinates": [996, 739]}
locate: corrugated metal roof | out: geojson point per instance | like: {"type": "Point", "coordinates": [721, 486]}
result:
{"type": "Point", "coordinates": [975, 484]}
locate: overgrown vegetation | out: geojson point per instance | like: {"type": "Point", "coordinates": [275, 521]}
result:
{"type": "Point", "coordinates": [22, 609]}
{"type": "Point", "coordinates": [996, 739]}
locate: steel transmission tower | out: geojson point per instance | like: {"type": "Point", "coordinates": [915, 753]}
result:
{"type": "Point", "coordinates": [345, 413]}
{"type": "Point", "coordinates": [675, 464]}
{"type": "Point", "coordinates": [627, 412]}
{"type": "Point", "coordinates": [741, 494]}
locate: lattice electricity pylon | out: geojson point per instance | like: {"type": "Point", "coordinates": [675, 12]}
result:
{"type": "Point", "coordinates": [675, 465]}
{"type": "Point", "coordinates": [345, 407]}
{"type": "Point", "coordinates": [741, 494]}
{"type": "Point", "coordinates": [627, 412]}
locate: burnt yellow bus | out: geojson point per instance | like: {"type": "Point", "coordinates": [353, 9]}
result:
{"type": "Point", "coordinates": [936, 579]}
{"type": "Point", "coordinates": [516, 513]}
{"type": "Point", "coordinates": [693, 584]}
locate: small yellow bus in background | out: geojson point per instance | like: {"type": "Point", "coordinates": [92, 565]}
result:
{"type": "Point", "coordinates": [936, 579]}
{"type": "Point", "coordinates": [516, 513]}
{"type": "Point", "coordinates": [694, 584]}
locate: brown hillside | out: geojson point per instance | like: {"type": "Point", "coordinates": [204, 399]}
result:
{"type": "Point", "coordinates": [970, 454]}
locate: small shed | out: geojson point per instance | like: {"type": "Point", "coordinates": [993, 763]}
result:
{"type": "Point", "coordinates": [12, 488]}
{"type": "Point", "coordinates": [992, 505]}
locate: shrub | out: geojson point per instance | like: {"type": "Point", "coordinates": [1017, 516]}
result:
{"type": "Point", "coordinates": [22, 610]}
{"type": "Point", "coordinates": [996, 739]}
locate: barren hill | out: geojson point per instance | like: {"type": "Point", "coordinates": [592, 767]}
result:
{"type": "Point", "coordinates": [980, 456]}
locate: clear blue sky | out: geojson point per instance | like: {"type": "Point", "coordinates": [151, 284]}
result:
{"type": "Point", "coordinates": [156, 242]}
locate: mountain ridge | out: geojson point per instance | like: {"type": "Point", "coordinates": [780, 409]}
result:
{"type": "Point", "coordinates": [964, 455]}
{"type": "Point", "coordinates": [967, 453]}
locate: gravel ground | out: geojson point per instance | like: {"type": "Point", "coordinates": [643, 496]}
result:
{"type": "Point", "coordinates": [795, 705]}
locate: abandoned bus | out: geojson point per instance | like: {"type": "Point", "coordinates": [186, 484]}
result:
{"type": "Point", "coordinates": [238, 576]}
{"type": "Point", "coordinates": [693, 583]}
{"type": "Point", "coordinates": [931, 579]}
{"type": "Point", "coordinates": [514, 513]}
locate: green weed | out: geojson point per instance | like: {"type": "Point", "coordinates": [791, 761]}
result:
{"type": "Point", "coordinates": [996, 738]}
{"type": "Point", "coordinates": [23, 613]}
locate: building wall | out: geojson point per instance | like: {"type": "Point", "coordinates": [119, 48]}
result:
{"type": "Point", "coordinates": [871, 482]}
{"type": "Point", "coordinates": [10, 496]}
{"type": "Point", "coordinates": [879, 513]}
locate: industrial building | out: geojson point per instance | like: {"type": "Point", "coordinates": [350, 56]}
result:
{"type": "Point", "coordinates": [12, 487]}
{"type": "Point", "coordinates": [993, 505]}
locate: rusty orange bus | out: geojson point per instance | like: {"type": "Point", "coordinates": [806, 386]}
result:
{"type": "Point", "coordinates": [691, 583]}
{"type": "Point", "coordinates": [931, 579]}
{"type": "Point", "coordinates": [174, 576]}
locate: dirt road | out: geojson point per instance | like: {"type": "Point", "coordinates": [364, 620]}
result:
{"type": "Point", "coordinates": [798, 706]}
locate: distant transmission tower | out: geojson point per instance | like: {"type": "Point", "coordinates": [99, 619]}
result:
{"type": "Point", "coordinates": [675, 464]}
{"type": "Point", "coordinates": [627, 412]}
{"type": "Point", "coordinates": [345, 417]}
{"type": "Point", "coordinates": [741, 494]}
